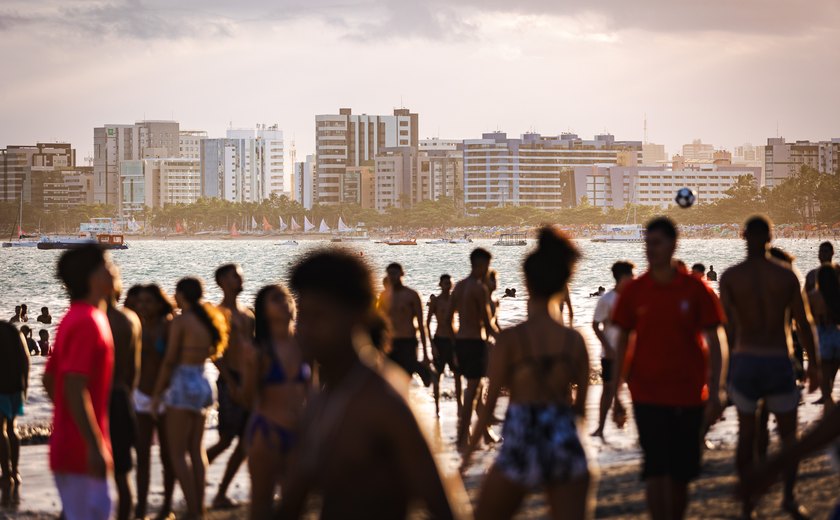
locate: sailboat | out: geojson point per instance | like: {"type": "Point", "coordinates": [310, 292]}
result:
{"type": "Point", "coordinates": [348, 234]}
{"type": "Point", "coordinates": [19, 240]}
{"type": "Point", "coordinates": [283, 226]}
{"type": "Point", "coordinates": [307, 226]}
{"type": "Point", "coordinates": [294, 225]}
{"type": "Point", "coordinates": [324, 228]}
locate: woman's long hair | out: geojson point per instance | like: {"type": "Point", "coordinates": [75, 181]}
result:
{"type": "Point", "coordinates": [549, 268]}
{"type": "Point", "coordinates": [262, 328]}
{"type": "Point", "coordinates": [166, 305]}
{"type": "Point", "coordinates": [215, 322]}
{"type": "Point", "coordinates": [829, 287]}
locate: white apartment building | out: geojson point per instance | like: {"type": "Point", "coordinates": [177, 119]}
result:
{"type": "Point", "coordinates": [535, 170]}
{"type": "Point", "coordinates": [113, 143]}
{"type": "Point", "coordinates": [245, 166]}
{"type": "Point", "coordinates": [303, 181]}
{"type": "Point", "coordinates": [393, 173]}
{"type": "Point", "coordinates": [156, 182]}
{"type": "Point", "coordinates": [698, 151]}
{"type": "Point", "coordinates": [348, 140]}
{"type": "Point", "coordinates": [615, 186]}
{"type": "Point", "coordinates": [439, 173]}
{"type": "Point", "coordinates": [189, 143]}
{"type": "Point", "coordinates": [783, 159]}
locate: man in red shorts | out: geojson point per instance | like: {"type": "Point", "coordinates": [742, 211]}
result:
{"type": "Point", "coordinates": [670, 312]}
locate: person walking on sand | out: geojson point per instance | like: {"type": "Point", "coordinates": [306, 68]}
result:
{"type": "Point", "coordinates": [607, 334]}
{"type": "Point", "coordinates": [78, 378]}
{"type": "Point", "coordinates": [233, 415]}
{"type": "Point", "coordinates": [155, 311]}
{"type": "Point", "coordinates": [278, 380]}
{"type": "Point", "coordinates": [759, 296]}
{"type": "Point", "coordinates": [825, 304]}
{"type": "Point", "coordinates": [361, 448]}
{"type": "Point", "coordinates": [471, 300]}
{"type": "Point", "coordinates": [545, 367]}
{"type": "Point", "coordinates": [405, 312]}
{"type": "Point", "coordinates": [14, 386]}
{"type": "Point", "coordinates": [443, 341]}
{"type": "Point", "coordinates": [199, 333]}
{"type": "Point", "coordinates": [671, 313]}
{"type": "Point", "coordinates": [126, 331]}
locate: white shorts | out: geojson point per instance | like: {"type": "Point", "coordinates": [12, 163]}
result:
{"type": "Point", "coordinates": [143, 403]}
{"type": "Point", "coordinates": [83, 497]}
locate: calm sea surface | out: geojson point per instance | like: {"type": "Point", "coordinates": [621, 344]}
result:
{"type": "Point", "coordinates": [28, 275]}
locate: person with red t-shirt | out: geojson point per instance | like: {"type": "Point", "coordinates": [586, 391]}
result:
{"type": "Point", "coordinates": [78, 379]}
{"type": "Point", "coordinates": [674, 386]}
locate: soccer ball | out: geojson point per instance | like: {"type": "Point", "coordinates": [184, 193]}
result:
{"type": "Point", "coordinates": [685, 197]}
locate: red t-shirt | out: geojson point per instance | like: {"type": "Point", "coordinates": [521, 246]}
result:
{"type": "Point", "coordinates": [84, 346]}
{"type": "Point", "coordinates": [669, 364]}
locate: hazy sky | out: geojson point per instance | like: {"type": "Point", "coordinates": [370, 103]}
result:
{"type": "Point", "coordinates": [726, 71]}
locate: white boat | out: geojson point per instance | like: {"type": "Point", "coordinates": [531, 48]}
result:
{"type": "Point", "coordinates": [465, 240]}
{"type": "Point", "coordinates": [627, 233]}
{"type": "Point", "coordinates": [22, 239]}
{"type": "Point", "coordinates": [292, 243]}
{"type": "Point", "coordinates": [439, 241]}
{"type": "Point", "coordinates": [512, 239]}
{"type": "Point", "coordinates": [307, 226]}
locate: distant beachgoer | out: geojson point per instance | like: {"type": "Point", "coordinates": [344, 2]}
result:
{"type": "Point", "coordinates": [45, 317]}
{"type": "Point", "coordinates": [126, 331]}
{"type": "Point", "coordinates": [233, 415]}
{"type": "Point", "coordinates": [567, 302]}
{"type": "Point", "coordinates": [698, 270]}
{"type": "Point", "coordinates": [471, 300]}
{"type": "Point", "coordinates": [361, 449]}
{"type": "Point", "coordinates": [278, 380]}
{"type": "Point", "coordinates": [31, 344]}
{"type": "Point", "coordinates": [14, 386]}
{"type": "Point", "coordinates": [78, 378]}
{"type": "Point", "coordinates": [131, 296]}
{"type": "Point", "coordinates": [405, 312]}
{"type": "Point", "coordinates": [44, 342]}
{"type": "Point", "coordinates": [670, 312]}
{"type": "Point", "coordinates": [16, 316]}
{"type": "Point", "coordinates": [510, 293]}
{"type": "Point", "coordinates": [607, 334]}
{"type": "Point", "coordinates": [600, 292]}
{"type": "Point", "coordinates": [759, 295]}
{"type": "Point", "coordinates": [825, 305]}
{"type": "Point", "coordinates": [825, 254]}
{"type": "Point", "coordinates": [443, 340]}
{"type": "Point", "coordinates": [24, 316]}
{"type": "Point", "coordinates": [711, 275]}
{"type": "Point", "coordinates": [199, 333]}
{"type": "Point", "coordinates": [155, 311]}
{"type": "Point", "coordinates": [545, 367]}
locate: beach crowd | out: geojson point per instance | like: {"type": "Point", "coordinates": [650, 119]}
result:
{"type": "Point", "coordinates": [309, 397]}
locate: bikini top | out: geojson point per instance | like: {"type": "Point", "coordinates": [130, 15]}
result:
{"type": "Point", "coordinates": [542, 364]}
{"type": "Point", "coordinates": [277, 376]}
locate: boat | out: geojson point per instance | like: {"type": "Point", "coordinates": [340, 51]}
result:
{"type": "Point", "coordinates": [349, 234]}
{"type": "Point", "coordinates": [22, 240]}
{"type": "Point", "coordinates": [291, 243]}
{"type": "Point", "coordinates": [101, 231]}
{"type": "Point", "coordinates": [627, 233]}
{"type": "Point", "coordinates": [404, 242]}
{"type": "Point", "coordinates": [439, 241]}
{"type": "Point", "coordinates": [465, 240]}
{"type": "Point", "coordinates": [511, 239]}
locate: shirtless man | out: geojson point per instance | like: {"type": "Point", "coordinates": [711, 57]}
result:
{"type": "Point", "coordinates": [233, 415]}
{"type": "Point", "coordinates": [759, 296]}
{"type": "Point", "coordinates": [361, 448]}
{"type": "Point", "coordinates": [443, 342]}
{"type": "Point", "coordinates": [126, 330]}
{"type": "Point", "coordinates": [825, 254]}
{"type": "Point", "coordinates": [471, 300]}
{"type": "Point", "coordinates": [405, 311]}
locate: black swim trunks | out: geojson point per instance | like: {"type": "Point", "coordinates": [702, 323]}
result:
{"type": "Point", "coordinates": [472, 357]}
{"type": "Point", "coordinates": [233, 418]}
{"type": "Point", "coordinates": [123, 428]}
{"type": "Point", "coordinates": [445, 354]}
{"type": "Point", "coordinates": [607, 369]}
{"type": "Point", "coordinates": [670, 437]}
{"type": "Point", "coordinates": [404, 353]}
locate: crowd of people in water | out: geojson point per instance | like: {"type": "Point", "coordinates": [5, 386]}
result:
{"type": "Point", "coordinates": [311, 382]}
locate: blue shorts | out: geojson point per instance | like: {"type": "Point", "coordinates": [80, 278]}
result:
{"type": "Point", "coordinates": [11, 405]}
{"type": "Point", "coordinates": [771, 378]}
{"type": "Point", "coordinates": [829, 342]}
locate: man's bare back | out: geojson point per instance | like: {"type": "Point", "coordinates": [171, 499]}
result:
{"type": "Point", "coordinates": [126, 329]}
{"type": "Point", "coordinates": [471, 300]}
{"type": "Point", "coordinates": [441, 308]}
{"type": "Point", "coordinates": [403, 308]}
{"type": "Point", "coordinates": [759, 296]}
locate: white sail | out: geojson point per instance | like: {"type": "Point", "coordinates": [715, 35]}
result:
{"type": "Point", "coordinates": [342, 227]}
{"type": "Point", "coordinates": [295, 225]}
{"type": "Point", "coordinates": [307, 226]}
{"type": "Point", "coordinates": [253, 223]}
{"type": "Point", "coordinates": [283, 225]}
{"type": "Point", "coordinates": [324, 228]}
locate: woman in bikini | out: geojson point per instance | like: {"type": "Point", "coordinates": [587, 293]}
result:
{"type": "Point", "coordinates": [198, 334]}
{"type": "Point", "coordinates": [155, 311]}
{"type": "Point", "coordinates": [545, 366]}
{"type": "Point", "coordinates": [278, 381]}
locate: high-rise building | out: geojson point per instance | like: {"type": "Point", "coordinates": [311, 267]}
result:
{"type": "Point", "coordinates": [348, 140]}
{"type": "Point", "coordinates": [303, 186]}
{"type": "Point", "coordinates": [156, 182]}
{"type": "Point", "coordinates": [115, 143]}
{"type": "Point", "coordinates": [245, 166]}
{"type": "Point", "coordinates": [697, 151]}
{"type": "Point", "coordinates": [615, 186]}
{"type": "Point", "coordinates": [653, 154]}
{"type": "Point", "coordinates": [440, 170]}
{"type": "Point", "coordinates": [189, 143]}
{"type": "Point", "coordinates": [395, 168]}
{"type": "Point", "coordinates": [24, 170]}
{"type": "Point", "coordinates": [783, 159]}
{"type": "Point", "coordinates": [535, 170]}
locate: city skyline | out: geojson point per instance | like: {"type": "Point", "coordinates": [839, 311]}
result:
{"type": "Point", "coordinates": [474, 68]}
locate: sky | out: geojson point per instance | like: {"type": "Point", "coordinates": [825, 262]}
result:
{"type": "Point", "coordinates": [725, 71]}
